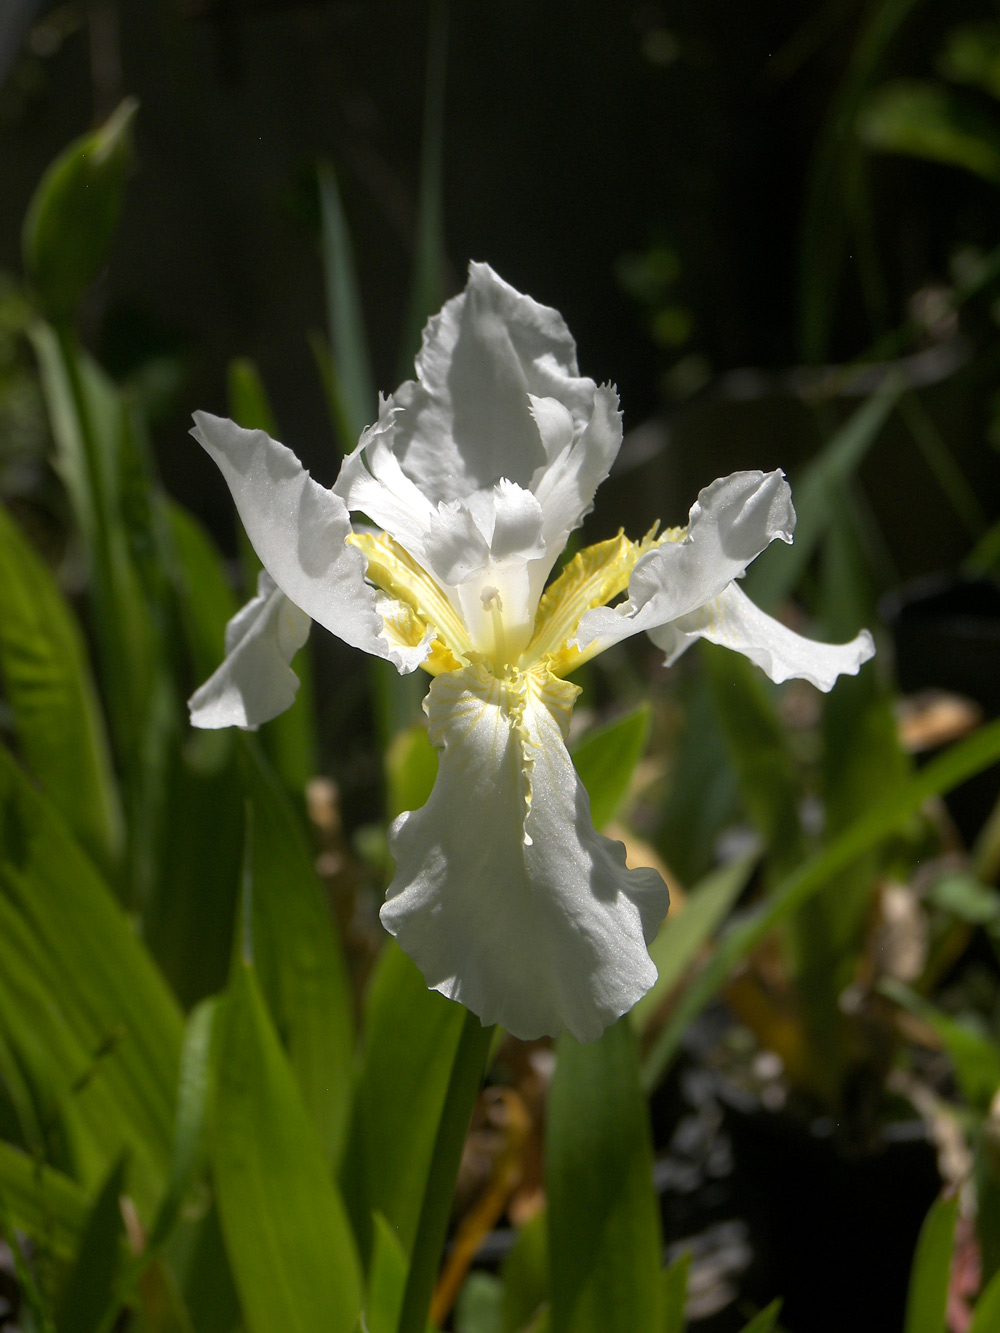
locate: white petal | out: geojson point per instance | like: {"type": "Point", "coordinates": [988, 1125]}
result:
{"type": "Point", "coordinates": [566, 484]}
{"type": "Point", "coordinates": [372, 481]}
{"type": "Point", "coordinates": [504, 894]}
{"type": "Point", "coordinates": [466, 420]}
{"type": "Point", "coordinates": [732, 620]}
{"type": "Point", "coordinates": [254, 682]}
{"type": "Point", "coordinates": [299, 531]}
{"type": "Point", "coordinates": [731, 522]}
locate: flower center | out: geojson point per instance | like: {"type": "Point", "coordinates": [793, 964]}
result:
{"type": "Point", "coordinates": [415, 608]}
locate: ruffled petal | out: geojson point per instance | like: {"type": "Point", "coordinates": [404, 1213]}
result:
{"type": "Point", "coordinates": [466, 420]}
{"type": "Point", "coordinates": [575, 467]}
{"type": "Point", "coordinates": [731, 522]}
{"type": "Point", "coordinates": [732, 620]}
{"type": "Point", "coordinates": [504, 894]}
{"type": "Point", "coordinates": [254, 682]}
{"type": "Point", "coordinates": [299, 531]}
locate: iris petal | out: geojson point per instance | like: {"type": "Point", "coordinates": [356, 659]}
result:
{"type": "Point", "coordinates": [254, 682]}
{"type": "Point", "coordinates": [732, 620]}
{"type": "Point", "coordinates": [504, 894]}
{"type": "Point", "coordinates": [299, 530]}
{"type": "Point", "coordinates": [731, 522]}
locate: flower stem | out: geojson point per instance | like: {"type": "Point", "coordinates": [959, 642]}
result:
{"type": "Point", "coordinates": [463, 1088]}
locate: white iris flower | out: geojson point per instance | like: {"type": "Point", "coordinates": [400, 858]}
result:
{"type": "Point", "coordinates": [475, 474]}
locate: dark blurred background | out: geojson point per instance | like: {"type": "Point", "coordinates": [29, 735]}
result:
{"type": "Point", "coordinates": [689, 181]}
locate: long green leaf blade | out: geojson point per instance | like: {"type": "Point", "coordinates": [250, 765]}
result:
{"type": "Point", "coordinates": [606, 759]}
{"type": "Point", "coordinates": [286, 1231]}
{"type": "Point", "coordinates": [47, 682]}
{"type": "Point", "coordinates": [89, 1011]}
{"type": "Point", "coordinates": [603, 1219]}
{"type": "Point", "coordinates": [298, 956]}
{"type": "Point", "coordinates": [962, 761]}
{"type": "Point", "coordinates": [927, 1300]}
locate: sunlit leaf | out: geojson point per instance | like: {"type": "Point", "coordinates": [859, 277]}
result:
{"type": "Point", "coordinates": [45, 1204]}
{"type": "Point", "coordinates": [927, 1299]}
{"type": "Point", "coordinates": [687, 929]}
{"type": "Point", "coordinates": [285, 1228]}
{"type": "Point", "coordinates": [78, 991]}
{"type": "Point", "coordinates": [673, 1293]}
{"type": "Point", "coordinates": [47, 682]}
{"type": "Point", "coordinates": [606, 759]}
{"type": "Point", "coordinates": [297, 955]}
{"type": "Point", "coordinates": [604, 1226]}
{"type": "Point", "coordinates": [410, 1038]}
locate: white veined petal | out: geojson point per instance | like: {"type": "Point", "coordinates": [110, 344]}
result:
{"type": "Point", "coordinates": [254, 682]}
{"type": "Point", "coordinates": [730, 523]}
{"type": "Point", "coordinates": [566, 483]}
{"type": "Point", "coordinates": [732, 620]}
{"type": "Point", "coordinates": [466, 420]}
{"type": "Point", "coordinates": [299, 531]}
{"type": "Point", "coordinates": [504, 894]}
{"type": "Point", "coordinates": [372, 481]}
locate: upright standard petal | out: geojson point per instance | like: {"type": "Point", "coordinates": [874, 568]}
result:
{"type": "Point", "coordinates": [254, 682]}
{"type": "Point", "coordinates": [731, 619]}
{"type": "Point", "coordinates": [466, 420]}
{"type": "Point", "coordinates": [730, 523]}
{"type": "Point", "coordinates": [299, 530]}
{"type": "Point", "coordinates": [504, 894]}
{"type": "Point", "coordinates": [574, 468]}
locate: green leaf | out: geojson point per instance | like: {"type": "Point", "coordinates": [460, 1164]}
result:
{"type": "Point", "coordinates": [411, 1035]}
{"type": "Point", "coordinates": [195, 850]}
{"type": "Point", "coordinates": [768, 780]}
{"type": "Point", "coordinates": [974, 1057]}
{"type": "Point", "coordinates": [606, 758]}
{"type": "Point", "coordinates": [673, 1293]}
{"type": "Point", "coordinates": [410, 769]}
{"type": "Point", "coordinates": [298, 956]}
{"type": "Point", "coordinates": [286, 1232]}
{"type": "Point", "coordinates": [948, 770]}
{"type": "Point", "coordinates": [687, 929]}
{"type": "Point", "coordinates": [358, 402]}
{"type": "Point", "coordinates": [386, 1279]}
{"type": "Point", "coordinates": [206, 601]}
{"type": "Point", "coordinates": [428, 271]}
{"type": "Point", "coordinates": [45, 1204]}
{"type": "Point", "coordinates": [525, 1275]}
{"type": "Point", "coordinates": [986, 1316]}
{"type": "Point", "coordinates": [47, 682]}
{"type": "Point", "coordinates": [194, 1088]}
{"type": "Point", "coordinates": [479, 1308]}
{"type": "Point", "coordinates": [100, 463]}
{"type": "Point", "coordinates": [927, 1298]}
{"type": "Point", "coordinates": [74, 212]}
{"type": "Point", "coordinates": [972, 55]}
{"type": "Point", "coordinates": [818, 490]}
{"type": "Point", "coordinates": [766, 1320]}
{"type": "Point", "coordinates": [968, 898]}
{"type": "Point", "coordinates": [87, 1300]}
{"type": "Point", "coordinates": [464, 1081]}
{"type": "Point", "coordinates": [930, 121]}
{"type": "Point", "coordinates": [89, 1011]}
{"type": "Point", "coordinates": [604, 1229]}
